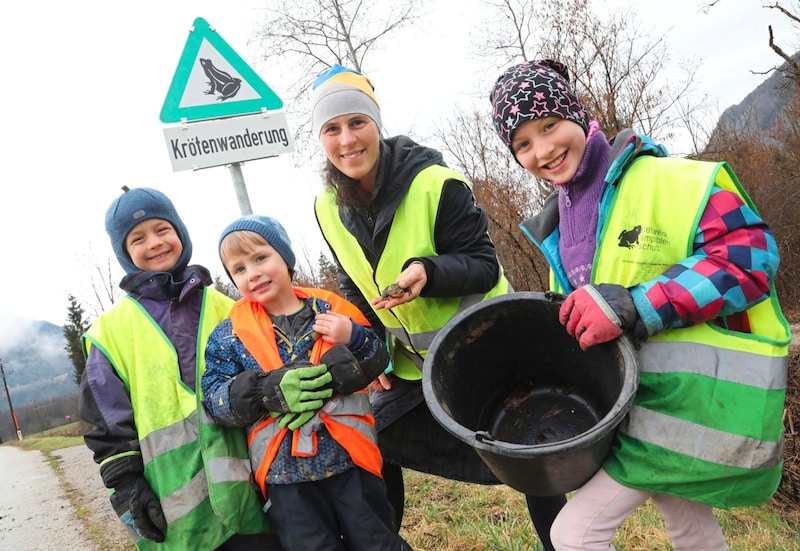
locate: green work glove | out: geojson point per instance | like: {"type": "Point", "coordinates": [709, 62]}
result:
{"type": "Point", "coordinates": [296, 388]}
{"type": "Point", "coordinates": [295, 420]}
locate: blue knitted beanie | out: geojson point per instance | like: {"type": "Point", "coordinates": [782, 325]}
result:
{"type": "Point", "coordinates": [268, 228]}
{"type": "Point", "coordinates": [135, 206]}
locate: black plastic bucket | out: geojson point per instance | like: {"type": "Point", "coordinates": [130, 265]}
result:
{"type": "Point", "coordinates": [504, 377]}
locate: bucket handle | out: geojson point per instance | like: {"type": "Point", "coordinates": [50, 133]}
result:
{"type": "Point", "coordinates": [552, 296]}
{"type": "Point", "coordinates": [484, 436]}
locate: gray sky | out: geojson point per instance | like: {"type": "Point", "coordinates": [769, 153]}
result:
{"type": "Point", "coordinates": [86, 81]}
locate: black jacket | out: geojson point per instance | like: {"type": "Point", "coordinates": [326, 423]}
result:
{"type": "Point", "coordinates": [466, 261]}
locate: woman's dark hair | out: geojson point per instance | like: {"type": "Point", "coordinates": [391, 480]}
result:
{"type": "Point", "coordinates": [347, 194]}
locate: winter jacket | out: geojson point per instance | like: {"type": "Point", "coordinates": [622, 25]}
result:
{"type": "Point", "coordinates": [460, 261]}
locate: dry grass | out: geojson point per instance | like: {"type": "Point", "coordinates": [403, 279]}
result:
{"type": "Point", "coordinates": [442, 515]}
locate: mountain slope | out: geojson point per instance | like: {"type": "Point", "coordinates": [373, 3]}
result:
{"type": "Point", "coordinates": [34, 361]}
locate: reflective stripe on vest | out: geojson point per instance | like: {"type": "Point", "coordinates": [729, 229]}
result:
{"type": "Point", "coordinates": [706, 421]}
{"type": "Point", "coordinates": [414, 324]}
{"type": "Point", "coordinates": [165, 415]}
{"type": "Point", "coordinates": [351, 413]}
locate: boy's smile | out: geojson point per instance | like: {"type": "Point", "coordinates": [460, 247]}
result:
{"type": "Point", "coordinates": [154, 245]}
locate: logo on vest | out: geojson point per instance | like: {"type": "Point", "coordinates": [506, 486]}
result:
{"type": "Point", "coordinates": [645, 239]}
{"type": "Point", "coordinates": [629, 238]}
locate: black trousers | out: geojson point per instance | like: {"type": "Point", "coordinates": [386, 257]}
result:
{"type": "Point", "coordinates": [252, 542]}
{"type": "Point", "coordinates": [349, 511]}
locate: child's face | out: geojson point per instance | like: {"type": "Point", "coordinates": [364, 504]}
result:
{"type": "Point", "coordinates": [154, 245]}
{"type": "Point", "coordinates": [352, 143]}
{"type": "Point", "coordinates": [550, 148]}
{"type": "Point", "coordinates": [262, 276]}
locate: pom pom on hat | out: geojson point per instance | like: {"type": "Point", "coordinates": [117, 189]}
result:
{"type": "Point", "coordinates": [268, 228]}
{"type": "Point", "coordinates": [135, 206]}
{"type": "Point", "coordinates": [341, 91]}
{"type": "Point", "coordinates": [534, 90]}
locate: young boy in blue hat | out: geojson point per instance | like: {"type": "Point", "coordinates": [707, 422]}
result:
{"type": "Point", "coordinates": [292, 365]}
{"type": "Point", "coordinates": [138, 390]}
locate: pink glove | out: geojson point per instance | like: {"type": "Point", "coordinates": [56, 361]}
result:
{"type": "Point", "coordinates": [596, 314]}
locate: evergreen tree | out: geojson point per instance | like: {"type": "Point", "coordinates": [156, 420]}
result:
{"type": "Point", "coordinates": [327, 274]}
{"type": "Point", "coordinates": [76, 326]}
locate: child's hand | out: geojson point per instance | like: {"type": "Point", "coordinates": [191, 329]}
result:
{"type": "Point", "coordinates": [334, 328]}
{"type": "Point", "coordinates": [412, 279]}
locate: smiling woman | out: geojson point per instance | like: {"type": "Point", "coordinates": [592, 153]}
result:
{"type": "Point", "coordinates": [398, 219]}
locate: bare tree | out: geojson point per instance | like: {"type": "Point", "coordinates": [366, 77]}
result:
{"type": "Point", "coordinates": [504, 190]}
{"type": "Point", "coordinates": [101, 288]}
{"type": "Point", "coordinates": [792, 69]}
{"type": "Point", "coordinates": [312, 35]}
{"type": "Point", "coordinates": [619, 75]}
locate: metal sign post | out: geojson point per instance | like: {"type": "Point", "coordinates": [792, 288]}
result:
{"type": "Point", "coordinates": [241, 189]}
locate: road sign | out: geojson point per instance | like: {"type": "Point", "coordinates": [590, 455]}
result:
{"type": "Point", "coordinates": [212, 81]}
{"type": "Point", "coordinates": [224, 141]}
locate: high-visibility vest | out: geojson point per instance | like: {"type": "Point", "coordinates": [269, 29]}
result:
{"type": "Point", "coordinates": [413, 325]}
{"type": "Point", "coordinates": [348, 419]}
{"type": "Point", "coordinates": [199, 471]}
{"type": "Point", "coordinates": [706, 422]}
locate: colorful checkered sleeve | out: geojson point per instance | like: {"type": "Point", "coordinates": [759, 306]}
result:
{"type": "Point", "coordinates": [735, 259]}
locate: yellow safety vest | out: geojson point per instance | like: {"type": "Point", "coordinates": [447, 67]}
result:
{"type": "Point", "coordinates": [412, 325]}
{"type": "Point", "coordinates": [200, 472]}
{"type": "Point", "coordinates": [706, 423]}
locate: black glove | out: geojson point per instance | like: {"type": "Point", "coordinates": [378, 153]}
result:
{"type": "Point", "coordinates": [139, 509]}
{"type": "Point", "coordinates": [292, 388]}
{"type": "Point", "coordinates": [350, 375]}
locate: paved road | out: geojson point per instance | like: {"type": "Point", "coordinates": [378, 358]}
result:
{"type": "Point", "coordinates": [35, 515]}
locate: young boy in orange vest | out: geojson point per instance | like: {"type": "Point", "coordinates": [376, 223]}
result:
{"type": "Point", "coordinates": [292, 364]}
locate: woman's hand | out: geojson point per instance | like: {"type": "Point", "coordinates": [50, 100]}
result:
{"type": "Point", "coordinates": [383, 382]}
{"type": "Point", "coordinates": [412, 279]}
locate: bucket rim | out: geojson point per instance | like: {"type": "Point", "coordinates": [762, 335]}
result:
{"type": "Point", "coordinates": [600, 430]}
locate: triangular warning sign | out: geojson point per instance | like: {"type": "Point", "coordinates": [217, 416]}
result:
{"type": "Point", "coordinates": [212, 81]}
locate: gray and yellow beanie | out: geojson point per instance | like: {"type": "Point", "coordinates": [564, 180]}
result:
{"type": "Point", "coordinates": [340, 91]}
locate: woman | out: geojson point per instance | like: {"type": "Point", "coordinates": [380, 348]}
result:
{"type": "Point", "coordinates": [412, 250]}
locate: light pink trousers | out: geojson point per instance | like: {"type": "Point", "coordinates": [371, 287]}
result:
{"type": "Point", "coordinates": [592, 516]}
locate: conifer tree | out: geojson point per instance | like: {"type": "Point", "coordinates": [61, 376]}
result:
{"type": "Point", "coordinates": [76, 326]}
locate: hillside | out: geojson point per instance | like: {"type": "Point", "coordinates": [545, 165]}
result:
{"type": "Point", "coordinates": [757, 113]}
{"type": "Point", "coordinates": [36, 366]}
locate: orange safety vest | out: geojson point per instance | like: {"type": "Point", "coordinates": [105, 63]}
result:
{"type": "Point", "coordinates": [352, 428]}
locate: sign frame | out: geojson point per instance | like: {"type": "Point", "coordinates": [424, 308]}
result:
{"type": "Point", "coordinates": [204, 35]}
